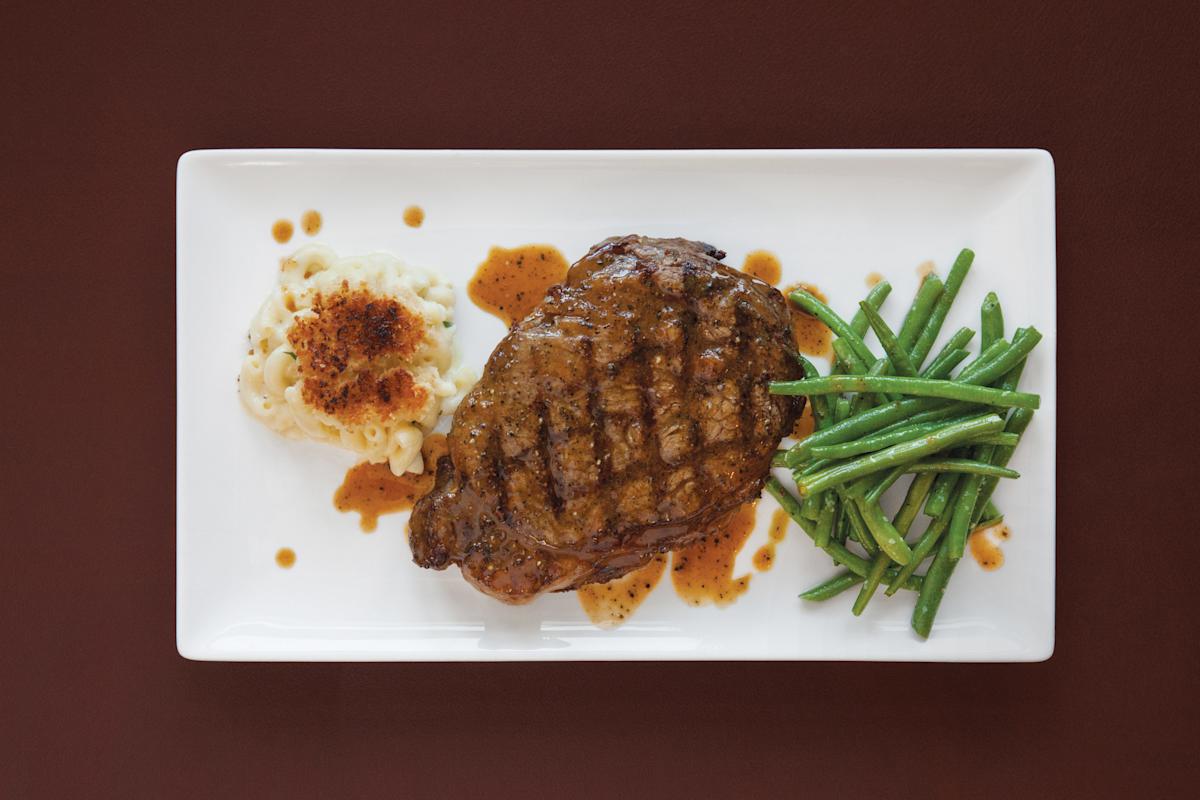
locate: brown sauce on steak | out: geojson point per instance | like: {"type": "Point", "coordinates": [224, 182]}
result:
{"type": "Point", "coordinates": [372, 490]}
{"type": "Point", "coordinates": [763, 265]}
{"type": "Point", "coordinates": [511, 282]}
{"type": "Point", "coordinates": [812, 336]}
{"type": "Point", "coordinates": [609, 605]}
{"type": "Point", "coordinates": [703, 571]}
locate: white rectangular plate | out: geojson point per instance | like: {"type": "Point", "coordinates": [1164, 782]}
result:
{"type": "Point", "coordinates": [832, 217]}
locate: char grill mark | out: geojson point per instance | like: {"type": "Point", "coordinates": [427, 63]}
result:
{"type": "Point", "coordinates": [625, 414]}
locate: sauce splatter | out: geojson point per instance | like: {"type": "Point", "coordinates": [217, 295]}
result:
{"type": "Point", "coordinates": [282, 231]}
{"type": "Point", "coordinates": [874, 279]}
{"type": "Point", "coordinates": [804, 423]}
{"type": "Point", "coordinates": [703, 572]}
{"type": "Point", "coordinates": [609, 605]}
{"type": "Point", "coordinates": [511, 282]}
{"type": "Point", "coordinates": [372, 490]}
{"type": "Point", "coordinates": [285, 557]}
{"type": "Point", "coordinates": [414, 216]}
{"type": "Point", "coordinates": [811, 335]}
{"type": "Point", "coordinates": [924, 269]}
{"type": "Point", "coordinates": [764, 559]}
{"type": "Point", "coordinates": [985, 545]}
{"type": "Point", "coordinates": [310, 222]}
{"type": "Point", "coordinates": [764, 265]}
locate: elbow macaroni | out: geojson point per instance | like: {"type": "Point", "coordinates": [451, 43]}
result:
{"type": "Point", "coordinates": [286, 380]}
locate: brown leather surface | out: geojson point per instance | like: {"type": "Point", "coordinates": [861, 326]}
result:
{"type": "Point", "coordinates": [100, 99]}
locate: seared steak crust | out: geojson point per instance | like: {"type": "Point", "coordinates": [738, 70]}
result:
{"type": "Point", "coordinates": [623, 415]}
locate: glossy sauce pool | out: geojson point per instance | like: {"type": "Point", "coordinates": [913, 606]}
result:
{"type": "Point", "coordinates": [609, 605]}
{"type": "Point", "coordinates": [703, 572]}
{"type": "Point", "coordinates": [372, 490]}
{"type": "Point", "coordinates": [812, 337]}
{"type": "Point", "coordinates": [511, 282]}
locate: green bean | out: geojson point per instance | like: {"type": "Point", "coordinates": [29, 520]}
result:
{"type": "Point", "coordinates": [1018, 421]}
{"type": "Point", "coordinates": [949, 436]}
{"type": "Point", "coordinates": [881, 486]}
{"type": "Point", "coordinates": [957, 341]}
{"type": "Point", "coordinates": [912, 387]}
{"type": "Point", "coordinates": [918, 314]}
{"type": "Point", "coordinates": [850, 362]}
{"type": "Point", "coordinates": [868, 422]}
{"type": "Point", "coordinates": [943, 365]}
{"type": "Point", "coordinates": [943, 490]}
{"type": "Point", "coordinates": [810, 507]}
{"type": "Point", "coordinates": [918, 490]}
{"type": "Point", "coordinates": [820, 409]}
{"type": "Point", "coordinates": [929, 333]}
{"type": "Point", "coordinates": [826, 519]}
{"type": "Point", "coordinates": [855, 563]}
{"type": "Point", "coordinates": [1002, 439]}
{"type": "Point", "coordinates": [858, 526]}
{"type": "Point", "coordinates": [885, 534]}
{"type": "Point", "coordinates": [901, 363]}
{"type": "Point", "coordinates": [875, 297]}
{"type": "Point", "coordinates": [865, 400]}
{"type": "Point", "coordinates": [942, 411]}
{"type": "Point", "coordinates": [960, 466]}
{"type": "Point", "coordinates": [839, 326]}
{"type": "Point", "coordinates": [779, 459]}
{"type": "Point", "coordinates": [982, 361]}
{"type": "Point", "coordinates": [841, 526]}
{"type": "Point", "coordinates": [964, 510]}
{"type": "Point", "coordinates": [876, 441]}
{"type": "Point", "coordinates": [842, 411]}
{"type": "Point", "coordinates": [1024, 340]}
{"type": "Point", "coordinates": [991, 321]}
{"type": "Point", "coordinates": [832, 587]}
{"type": "Point", "coordinates": [878, 566]}
{"type": "Point", "coordinates": [921, 551]}
{"type": "Point", "coordinates": [933, 590]}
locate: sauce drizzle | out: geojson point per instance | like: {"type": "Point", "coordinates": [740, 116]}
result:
{"type": "Point", "coordinates": [372, 490]}
{"type": "Point", "coordinates": [285, 557]}
{"type": "Point", "coordinates": [805, 424]}
{"type": "Point", "coordinates": [812, 337]}
{"type": "Point", "coordinates": [310, 222]}
{"type": "Point", "coordinates": [703, 571]}
{"type": "Point", "coordinates": [764, 265]}
{"type": "Point", "coordinates": [414, 216]}
{"type": "Point", "coordinates": [764, 559]}
{"type": "Point", "coordinates": [985, 547]}
{"type": "Point", "coordinates": [609, 605]}
{"type": "Point", "coordinates": [874, 279]}
{"type": "Point", "coordinates": [511, 282]}
{"type": "Point", "coordinates": [282, 230]}
{"type": "Point", "coordinates": [924, 269]}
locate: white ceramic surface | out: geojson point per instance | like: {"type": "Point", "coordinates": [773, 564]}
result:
{"type": "Point", "coordinates": [832, 217]}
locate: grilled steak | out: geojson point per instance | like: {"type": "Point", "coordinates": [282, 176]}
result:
{"type": "Point", "coordinates": [625, 414]}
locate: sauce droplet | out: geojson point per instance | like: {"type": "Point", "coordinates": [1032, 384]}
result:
{"type": "Point", "coordinates": [703, 571]}
{"type": "Point", "coordinates": [285, 557]}
{"type": "Point", "coordinates": [609, 605]}
{"type": "Point", "coordinates": [924, 269]}
{"type": "Point", "coordinates": [812, 337]}
{"type": "Point", "coordinates": [511, 282]}
{"type": "Point", "coordinates": [764, 265]}
{"type": "Point", "coordinates": [874, 279]}
{"type": "Point", "coordinates": [414, 216]}
{"type": "Point", "coordinates": [310, 222]}
{"type": "Point", "coordinates": [764, 559]}
{"type": "Point", "coordinates": [372, 490]}
{"type": "Point", "coordinates": [282, 231]}
{"type": "Point", "coordinates": [985, 548]}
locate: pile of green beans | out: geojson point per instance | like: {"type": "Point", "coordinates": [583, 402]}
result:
{"type": "Point", "coordinates": [881, 417]}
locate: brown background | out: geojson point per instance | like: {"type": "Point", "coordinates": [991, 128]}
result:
{"type": "Point", "coordinates": [99, 103]}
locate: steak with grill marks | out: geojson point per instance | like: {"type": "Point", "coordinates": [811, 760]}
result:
{"type": "Point", "coordinates": [625, 415]}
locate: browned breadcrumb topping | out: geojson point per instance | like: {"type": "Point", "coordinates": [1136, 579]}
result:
{"type": "Point", "coordinates": [347, 351]}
